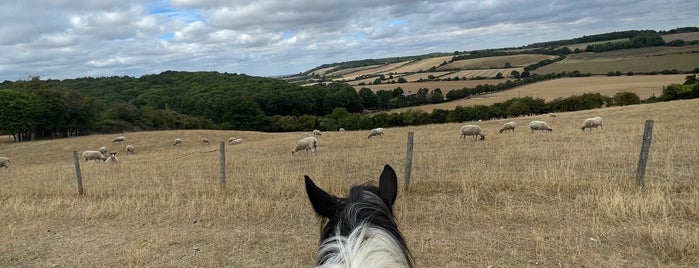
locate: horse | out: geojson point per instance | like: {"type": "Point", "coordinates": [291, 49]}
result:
{"type": "Point", "coordinates": [360, 229]}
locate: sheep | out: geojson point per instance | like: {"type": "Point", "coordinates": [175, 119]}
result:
{"type": "Point", "coordinates": [593, 122]}
{"type": "Point", "coordinates": [509, 126]}
{"type": "Point", "coordinates": [130, 149]}
{"type": "Point", "coordinates": [376, 132]}
{"type": "Point", "coordinates": [112, 158]}
{"type": "Point", "coordinates": [119, 139]}
{"type": "Point", "coordinates": [472, 130]}
{"type": "Point", "coordinates": [539, 125]}
{"type": "Point", "coordinates": [103, 149]}
{"type": "Point", "coordinates": [5, 162]}
{"type": "Point", "coordinates": [178, 141]}
{"type": "Point", "coordinates": [317, 132]}
{"type": "Point", "coordinates": [231, 139]}
{"type": "Point", "coordinates": [93, 155]}
{"type": "Point", "coordinates": [235, 141]}
{"type": "Point", "coordinates": [205, 141]}
{"type": "Point", "coordinates": [305, 144]}
{"type": "Point", "coordinates": [341, 130]}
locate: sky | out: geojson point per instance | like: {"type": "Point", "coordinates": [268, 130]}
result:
{"type": "Point", "coordinates": [62, 39]}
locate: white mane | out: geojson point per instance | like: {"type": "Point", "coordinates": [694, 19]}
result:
{"type": "Point", "coordinates": [365, 247]}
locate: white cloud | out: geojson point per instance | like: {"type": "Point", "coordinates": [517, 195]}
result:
{"type": "Point", "coordinates": [67, 39]}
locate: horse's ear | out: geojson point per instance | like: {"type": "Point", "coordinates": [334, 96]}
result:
{"type": "Point", "coordinates": [323, 203]}
{"type": "Point", "coordinates": [388, 185]}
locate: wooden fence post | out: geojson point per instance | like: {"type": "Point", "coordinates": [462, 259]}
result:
{"type": "Point", "coordinates": [409, 160]}
{"type": "Point", "coordinates": [222, 164]}
{"type": "Point", "coordinates": [76, 160]}
{"type": "Point", "coordinates": [645, 150]}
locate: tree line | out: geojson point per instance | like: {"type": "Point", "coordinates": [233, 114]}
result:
{"type": "Point", "coordinates": [41, 109]}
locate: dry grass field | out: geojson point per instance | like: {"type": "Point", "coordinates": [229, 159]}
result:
{"type": "Point", "coordinates": [445, 86]}
{"type": "Point", "coordinates": [643, 85]}
{"type": "Point", "coordinates": [496, 62]}
{"type": "Point", "coordinates": [523, 199]}
{"type": "Point", "coordinates": [422, 65]}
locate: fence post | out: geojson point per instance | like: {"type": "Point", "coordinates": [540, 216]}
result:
{"type": "Point", "coordinates": [76, 160]}
{"type": "Point", "coordinates": [409, 160]}
{"type": "Point", "coordinates": [222, 164]}
{"type": "Point", "coordinates": [645, 149]}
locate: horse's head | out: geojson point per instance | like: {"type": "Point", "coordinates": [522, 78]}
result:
{"type": "Point", "coordinates": [364, 217]}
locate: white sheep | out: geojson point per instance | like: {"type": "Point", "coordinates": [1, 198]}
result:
{"type": "Point", "coordinates": [103, 149]}
{"type": "Point", "coordinates": [593, 122]}
{"type": "Point", "coordinates": [93, 155]}
{"type": "Point", "coordinates": [4, 162]}
{"type": "Point", "coordinates": [509, 126]}
{"type": "Point", "coordinates": [178, 141]}
{"type": "Point", "coordinates": [119, 139]}
{"type": "Point", "coordinates": [205, 141]}
{"type": "Point", "coordinates": [305, 144]}
{"type": "Point", "coordinates": [539, 125]}
{"type": "Point", "coordinates": [317, 132]}
{"type": "Point", "coordinates": [235, 141]}
{"type": "Point", "coordinates": [112, 158]}
{"type": "Point", "coordinates": [341, 130]}
{"type": "Point", "coordinates": [376, 132]}
{"type": "Point", "coordinates": [472, 130]}
{"type": "Point", "coordinates": [130, 149]}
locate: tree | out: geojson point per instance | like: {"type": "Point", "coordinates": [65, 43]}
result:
{"type": "Point", "coordinates": [368, 98]}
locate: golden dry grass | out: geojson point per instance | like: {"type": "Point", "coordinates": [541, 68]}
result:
{"type": "Point", "coordinates": [643, 85]}
{"type": "Point", "coordinates": [378, 70]}
{"type": "Point", "coordinates": [445, 86]}
{"type": "Point", "coordinates": [565, 198]}
{"type": "Point", "coordinates": [422, 65]}
{"type": "Point", "coordinates": [497, 61]}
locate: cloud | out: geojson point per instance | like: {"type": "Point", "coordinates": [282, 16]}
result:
{"type": "Point", "coordinates": [67, 39]}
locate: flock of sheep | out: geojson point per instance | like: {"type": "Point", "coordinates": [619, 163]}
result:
{"type": "Point", "coordinates": [102, 155]}
{"type": "Point", "coordinates": [311, 143]}
{"type": "Point", "coordinates": [476, 131]}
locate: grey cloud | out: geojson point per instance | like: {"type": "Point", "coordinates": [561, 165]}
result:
{"type": "Point", "coordinates": [65, 38]}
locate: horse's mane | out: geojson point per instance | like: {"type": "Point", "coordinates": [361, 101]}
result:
{"type": "Point", "coordinates": [360, 229]}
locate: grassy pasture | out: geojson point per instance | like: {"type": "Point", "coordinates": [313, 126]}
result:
{"type": "Point", "coordinates": [681, 62]}
{"type": "Point", "coordinates": [583, 46]}
{"type": "Point", "coordinates": [643, 85]}
{"type": "Point", "coordinates": [565, 198]}
{"type": "Point", "coordinates": [681, 36]}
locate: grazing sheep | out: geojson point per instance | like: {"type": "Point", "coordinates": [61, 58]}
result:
{"type": "Point", "coordinates": [509, 126]}
{"type": "Point", "coordinates": [235, 141]}
{"type": "Point", "coordinates": [305, 144]}
{"type": "Point", "coordinates": [593, 122]}
{"type": "Point", "coordinates": [103, 149]}
{"type": "Point", "coordinates": [317, 132]}
{"type": "Point", "coordinates": [472, 130]}
{"type": "Point", "coordinates": [376, 132]}
{"type": "Point", "coordinates": [341, 130]}
{"type": "Point", "coordinates": [539, 125]}
{"type": "Point", "coordinates": [205, 141]}
{"type": "Point", "coordinates": [112, 158]}
{"type": "Point", "coordinates": [178, 141]}
{"type": "Point", "coordinates": [119, 139]}
{"type": "Point", "coordinates": [130, 149]}
{"type": "Point", "coordinates": [93, 155]}
{"type": "Point", "coordinates": [4, 162]}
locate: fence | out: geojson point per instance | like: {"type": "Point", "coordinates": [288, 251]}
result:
{"type": "Point", "coordinates": [222, 166]}
{"type": "Point", "coordinates": [640, 171]}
